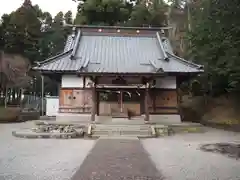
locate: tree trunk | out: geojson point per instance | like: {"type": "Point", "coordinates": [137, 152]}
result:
{"type": "Point", "coordinates": [13, 93]}
{"type": "Point", "coordinates": [20, 97]}
{"type": "Point", "coordinates": [6, 97]}
{"type": "Point", "coordinates": [1, 97]}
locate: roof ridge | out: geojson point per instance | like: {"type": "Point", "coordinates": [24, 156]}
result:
{"type": "Point", "coordinates": [68, 43]}
{"type": "Point", "coordinates": [53, 58]}
{"type": "Point", "coordinates": [76, 44]}
{"type": "Point", "coordinates": [119, 27]}
{"type": "Point", "coordinates": [166, 44]}
{"type": "Point", "coordinates": [185, 61]}
{"type": "Point", "coordinates": [161, 46]}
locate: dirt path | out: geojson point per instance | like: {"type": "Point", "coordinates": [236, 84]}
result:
{"type": "Point", "coordinates": [116, 159]}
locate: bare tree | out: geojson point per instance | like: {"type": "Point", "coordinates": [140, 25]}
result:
{"type": "Point", "coordinates": [13, 72]}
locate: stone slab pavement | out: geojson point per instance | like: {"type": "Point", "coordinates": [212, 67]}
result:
{"type": "Point", "coordinates": [117, 159]}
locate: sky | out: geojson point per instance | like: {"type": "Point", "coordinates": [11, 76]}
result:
{"type": "Point", "coordinates": [52, 6]}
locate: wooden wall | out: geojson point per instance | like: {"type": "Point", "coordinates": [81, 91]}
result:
{"type": "Point", "coordinates": [163, 101]}
{"type": "Point", "coordinates": [105, 108]}
{"type": "Point", "coordinates": [80, 101]}
{"type": "Point", "coordinates": [75, 100]}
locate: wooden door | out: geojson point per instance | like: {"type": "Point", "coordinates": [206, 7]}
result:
{"type": "Point", "coordinates": [66, 97]}
{"type": "Point", "coordinates": [78, 98]}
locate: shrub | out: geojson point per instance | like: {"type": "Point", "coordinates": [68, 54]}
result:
{"type": "Point", "coordinates": [9, 114]}
{"type": "Point", "coordinates": [192, 109]}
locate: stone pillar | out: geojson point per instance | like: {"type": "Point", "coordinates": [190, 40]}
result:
{"type": "Point", "coordinates": [146, 103]}
{"type": "Point", "coordinates": [94, 102]}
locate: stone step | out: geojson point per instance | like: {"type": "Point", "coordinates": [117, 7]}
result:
{"type": "Point", "coordinates": [122, 128]}
{"type": "Point", "coordinates": [122, 125]}
{"type": "Point", "coordinates": [124, 121]}
{"type": "Point", "coordinates": [122, 136]}
{"type": "Point", "coordinates": [122, 132]}
{"type": "Point", "coordinates": [119, 115]}
{"type": "Point", "coordinates": [102, 133]}
{"type": "Point", "coordinates": [116, 127]}
{"type": "Point", "coordinates": [100, 130]}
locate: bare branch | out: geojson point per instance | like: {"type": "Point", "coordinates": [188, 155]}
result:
{"type": "Point", "coordinates": [13, 70]}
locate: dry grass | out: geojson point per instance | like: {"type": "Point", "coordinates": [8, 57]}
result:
{"type": "Point", "coordinates": [222, 110]}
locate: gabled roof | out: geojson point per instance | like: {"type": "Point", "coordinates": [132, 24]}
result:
{"type": "Point", "coordinates": [117, 50]}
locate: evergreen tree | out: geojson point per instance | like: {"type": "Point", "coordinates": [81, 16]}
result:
{"type": "Point", "coordinates": [68, 17]}
{"type": "Point", "coordinates": [216, 42]}
{"type": "Point", "coordinates": [22, 34]}
{"type": "Point", "coordinates": [121, 12]}
{"type": "Point", "coordinates": [1, 37]}
{"type": "Point", "coordinates": [102, 12]}
{"type": "Point", "coordinates": [59, 34]}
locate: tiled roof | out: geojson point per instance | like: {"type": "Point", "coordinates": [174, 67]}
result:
{"type": "Point", "coordinates": [62, 62]}
{"type": "Point", "coordinates": [121, 53]}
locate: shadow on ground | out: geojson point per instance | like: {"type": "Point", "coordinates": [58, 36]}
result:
{"type": "Point", "coordinates": [228, 149]}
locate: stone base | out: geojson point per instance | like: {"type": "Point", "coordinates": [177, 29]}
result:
{"type": "Point", "coordinates": [81, 118]}
{"type": "Point", "coordinates": [86, 118]}
{"type": "Point", "coordinates": [165, 119]}
{"type": "Point", "coordinates": [70, 117]}
{"type": "Point", "coordinates": [31, 134]}
{"type": "Point", "coordinates": [103, 119]}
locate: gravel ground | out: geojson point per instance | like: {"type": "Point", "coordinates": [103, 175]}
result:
{"type": "Point", "coordinates": [179, 158]}
{"type": "Point", "coordinates": [39, 159]}
{"type": "Point", "coordinates": [118, 159]}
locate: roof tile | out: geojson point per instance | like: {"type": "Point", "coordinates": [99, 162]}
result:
{"type": "Point", "coordinates": [118, 54]}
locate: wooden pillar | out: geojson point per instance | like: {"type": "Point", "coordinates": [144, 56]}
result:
{"type": "Point", "coordinates": [121, 101]}
{"type": "Point", "coordinates": [97, 102]}
{"type": "Point", "coordinates": [154, 97]}
{"type": "Point", "coordinates": [146, 103]}
{"type": "Point", "coordinates": [179, 80]}
{"type": "Point", "coordinates": [94, 102]}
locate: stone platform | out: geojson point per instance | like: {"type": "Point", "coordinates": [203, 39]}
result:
{"type": "Point", "coordinates": [51, 130]}
{"type": "Point", "coordinates": [107, 127]}
{"type": "Point", "coordinates": [85, 118]}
